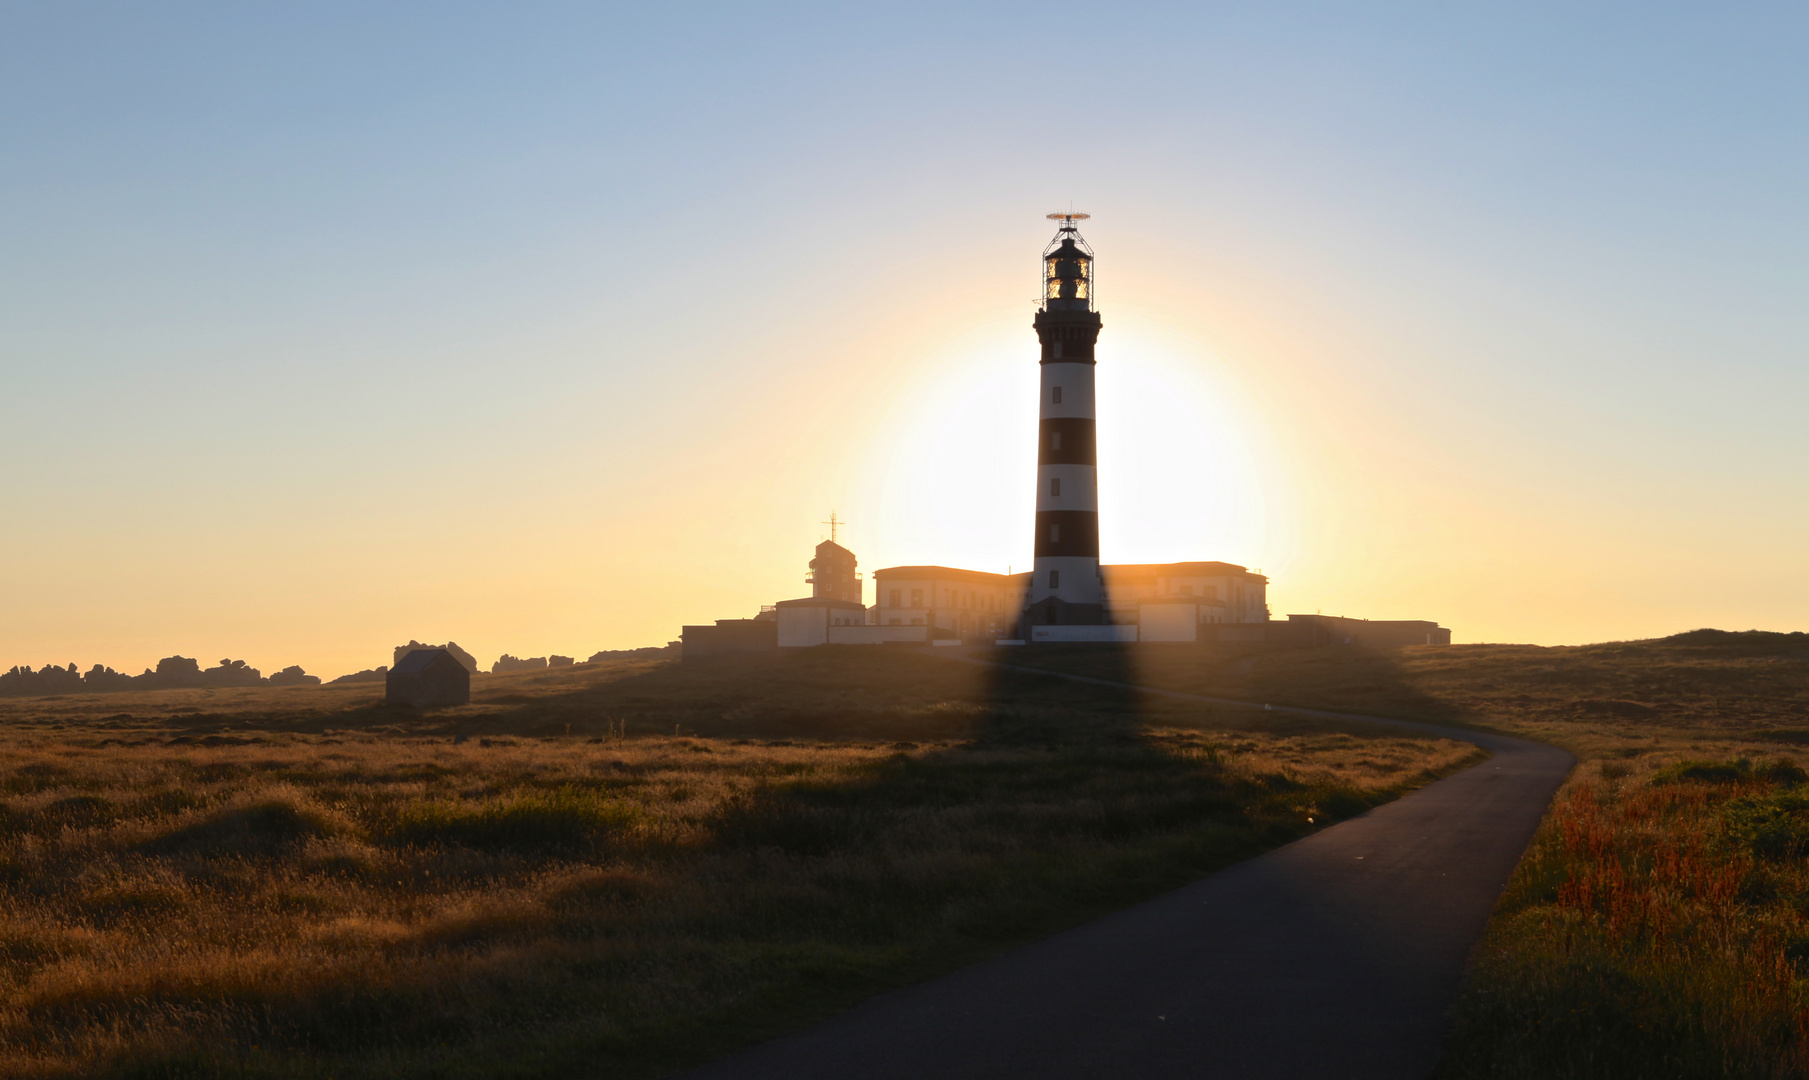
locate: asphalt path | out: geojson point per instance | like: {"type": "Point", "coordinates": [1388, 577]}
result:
{"type": "Point", "coordinates": [1337, 956]}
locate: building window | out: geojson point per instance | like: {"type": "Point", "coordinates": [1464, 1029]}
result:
{"type": "Point", "coordinates": [892, 598]}
{"type": "Point", "coordinates": [916, 597]}
{"type": "Point", "coordinates": [1055, 579]}
{"type": "Point", "coordinates": [1055, 486]}
{"type": "Point", "coordinates": [1055, 395]}
{"type": "Point", "coordinates": [1055, 440]}
{"type": "Point", "coordinates": [1055, 534]}
{"type": "Point", "coordinates": [1187, 590]}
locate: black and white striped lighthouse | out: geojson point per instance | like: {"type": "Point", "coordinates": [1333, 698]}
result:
{"type": "Point", "coordinates": [1066, 587]}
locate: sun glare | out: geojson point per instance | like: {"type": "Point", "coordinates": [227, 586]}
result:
{"type": "Point", "coordinates": [1186, 471]}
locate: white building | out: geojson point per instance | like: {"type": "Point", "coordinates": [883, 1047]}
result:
{"type": "Point", "coordinates": [971, 605]}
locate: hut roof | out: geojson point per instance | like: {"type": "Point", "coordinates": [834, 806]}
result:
{"type": "Point", "coordinates": [420, 660]}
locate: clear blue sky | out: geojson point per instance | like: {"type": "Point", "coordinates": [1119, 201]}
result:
{"type": "Point", "coordinates": [551, 327]}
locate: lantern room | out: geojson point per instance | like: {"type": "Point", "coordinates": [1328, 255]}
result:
{"type": "Point", "coordinates": [1068, 268]}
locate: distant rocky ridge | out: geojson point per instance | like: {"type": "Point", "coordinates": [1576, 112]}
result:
{"type": "Point", "coordinates": [376, 674]}
{"type": "Point", "coordinates": [506, 663]}
{"type": "Point", "coordinates": [172, 673]}
{"type": "Point", "coordinates": [293, 676]}
{"type": "Point", "coordinates": [670, 648]}
{"type": "Point", "coordinates": [181, 672]}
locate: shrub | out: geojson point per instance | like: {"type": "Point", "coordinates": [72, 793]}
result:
{"type": "Point", "coordinates": [567, 819]}
{"type": "Point", "coordinates": [1774, 826]}
{"type": "Point", "coordinates": [263, 825]}
{"type": "Point", "coordinates": [1706, 772]}
{"type": "Point", "coordinates": [80, 811]}
{"type": "Point", "coordinates": [1778, 771]}
{"type": "Point", "coordinates": [1783, 771]}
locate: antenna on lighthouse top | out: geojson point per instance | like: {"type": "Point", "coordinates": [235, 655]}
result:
{"type": "Point", "coordinates": [1068, 230]}
{"type": "Point", "coordinates": [833, 525]}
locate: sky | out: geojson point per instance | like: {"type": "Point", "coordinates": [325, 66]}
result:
{"type": "Point", "coordinates": [548, 328]}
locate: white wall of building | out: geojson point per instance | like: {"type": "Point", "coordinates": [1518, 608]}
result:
{"type": "Point", "coordinates": [1168, 622]}
{"type": "Point", "coordinates": [801, 627]}
{"type": "Point", "coordinates": [1224, 597]}
{"type": "Point", "coordinates": [877, 635]}
{"type": "Point", "coordinates": [973, 605]}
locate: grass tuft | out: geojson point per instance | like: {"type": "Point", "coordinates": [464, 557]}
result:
{"type": "Point", "coordinates": [569, 819]}
{"type": "Point", "coordinates": [267, 823]}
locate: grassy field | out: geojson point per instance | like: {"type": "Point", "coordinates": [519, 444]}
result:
{"type": "Point", "coordinates": [613, 869]}
{"type": "Point", "coordinates": [1659, 926]}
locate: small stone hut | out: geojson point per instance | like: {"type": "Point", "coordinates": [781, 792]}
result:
{"type": "Point", "coordinates": [427, 678]}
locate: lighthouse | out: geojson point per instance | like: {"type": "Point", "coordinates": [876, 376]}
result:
{"type": "Point", "coordinates": [1066, 587]}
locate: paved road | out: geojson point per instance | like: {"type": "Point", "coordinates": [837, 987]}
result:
{"type": "Point", "coordinates": [1336, 956]}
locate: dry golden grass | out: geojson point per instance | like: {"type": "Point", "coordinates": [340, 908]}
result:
{"type": "Point", "coordinates": [302, 882]}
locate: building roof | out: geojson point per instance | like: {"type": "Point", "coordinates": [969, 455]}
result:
{"type": "Point", "coordinates": [1416, 623]}
{"type": "Point", "coordinates": [950, 572]}
{"type": "Point", "coordinates": [822, 601]}
{"type": "Point", "coordinates": [1135, 571]}
{"type": "Point", "coordinates": [419, 660]}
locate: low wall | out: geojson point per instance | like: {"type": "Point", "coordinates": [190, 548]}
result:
{"type": "Point", "coordinates": [878, 635]}
{"type": "Point", "coordinates": [1051, 635]}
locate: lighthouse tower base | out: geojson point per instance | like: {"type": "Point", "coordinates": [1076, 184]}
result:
{"type": "Point", "coordinates": [1054, 611]}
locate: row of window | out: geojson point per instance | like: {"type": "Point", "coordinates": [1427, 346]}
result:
{"type": "Point", "coordinates": [950, 598]}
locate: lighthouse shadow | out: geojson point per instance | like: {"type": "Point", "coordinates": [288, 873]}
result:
{"type": "Point", "coordinates": [1036, 708]}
